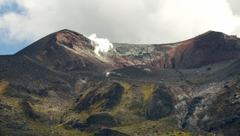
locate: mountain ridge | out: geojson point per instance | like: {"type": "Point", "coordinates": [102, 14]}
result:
{"type": "Point", "coordinates": [60, 85]}
{"type": "Point", "coordinates": [176, 55]}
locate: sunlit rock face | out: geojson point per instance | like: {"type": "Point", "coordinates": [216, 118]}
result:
{"type": "Point", "coordinates": [70, 84]}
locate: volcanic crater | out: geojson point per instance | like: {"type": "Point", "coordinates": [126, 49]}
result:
{"type": "Point", "coordinates": [59, 85]}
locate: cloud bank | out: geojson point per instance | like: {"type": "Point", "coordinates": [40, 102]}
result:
{"type": "Point", "coordinates": [127, 21]}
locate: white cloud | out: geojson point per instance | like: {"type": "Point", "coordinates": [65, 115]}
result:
{"type": "Point", "coordinates": [5, 2]}
{"type": "Point", "coordinates": [234, 4]}
{"type": "Point", "coordinates": [128, 21]}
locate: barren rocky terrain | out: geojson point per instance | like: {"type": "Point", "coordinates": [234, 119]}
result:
{"type": "Point", "coordinates": [60, 86]}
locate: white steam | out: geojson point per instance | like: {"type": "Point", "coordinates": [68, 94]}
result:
{"type": "Point", "coordinates": [103, 44]}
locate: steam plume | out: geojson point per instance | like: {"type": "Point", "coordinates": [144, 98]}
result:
{"type": "Point", "coordinates": [103, 44]}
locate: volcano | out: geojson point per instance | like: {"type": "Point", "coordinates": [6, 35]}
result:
{"type": "Point", "coordinates": [59, 85]}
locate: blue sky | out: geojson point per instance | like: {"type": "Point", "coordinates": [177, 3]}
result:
{"type": "Point", "coordinates": [10, 47]}
{"type": "Point", "coordinates": [22, 22]}
{"type": "Point", "coordinates": [10, 7]}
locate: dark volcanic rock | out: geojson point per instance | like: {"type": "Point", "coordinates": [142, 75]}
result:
{"type": "Point", "coordinates": [112, 96]}
{"type": "Point", "coordinates": [101, 119]}
{"type": "Point", "coordinates": [60, 86]}
{"type": "Point", "coordinates": [28, 111]}
{"type": "Point", "coordinates": [65, 51]}
{"type": "Point", "coordinates": [109, 132]}
{"type": "Point", "coordinates": [224, 113]}
{"type": "Point", "coordinates": [159, 104]}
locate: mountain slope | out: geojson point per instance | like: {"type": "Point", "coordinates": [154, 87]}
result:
{"type": "Point", "coordinates": [204, 49]}
{"type": "Point", "coordinates": [65, 51]}
{"type": "Point", "coordinates": [60, 86]}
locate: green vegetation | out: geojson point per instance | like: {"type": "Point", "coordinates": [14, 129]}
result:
{"type": "Point", "coordinates": [41, 129]}
{"type": "Point", "coordinates": [3, 85]}
{"type": "Point", "coordinates": [147, 90]}
{"type": "Point", "coordinates": [129, 113]}
{"type": "Point", "coordinates": [167, 126]}
{"type": "Point", "coordinates": [122, 112]}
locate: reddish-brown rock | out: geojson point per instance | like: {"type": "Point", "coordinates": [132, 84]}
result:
{"type": "Point", "coordinates": [67, 50]}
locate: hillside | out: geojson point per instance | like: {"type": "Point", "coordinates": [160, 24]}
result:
{"type": "Point", "coordinates": [59, 86]}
